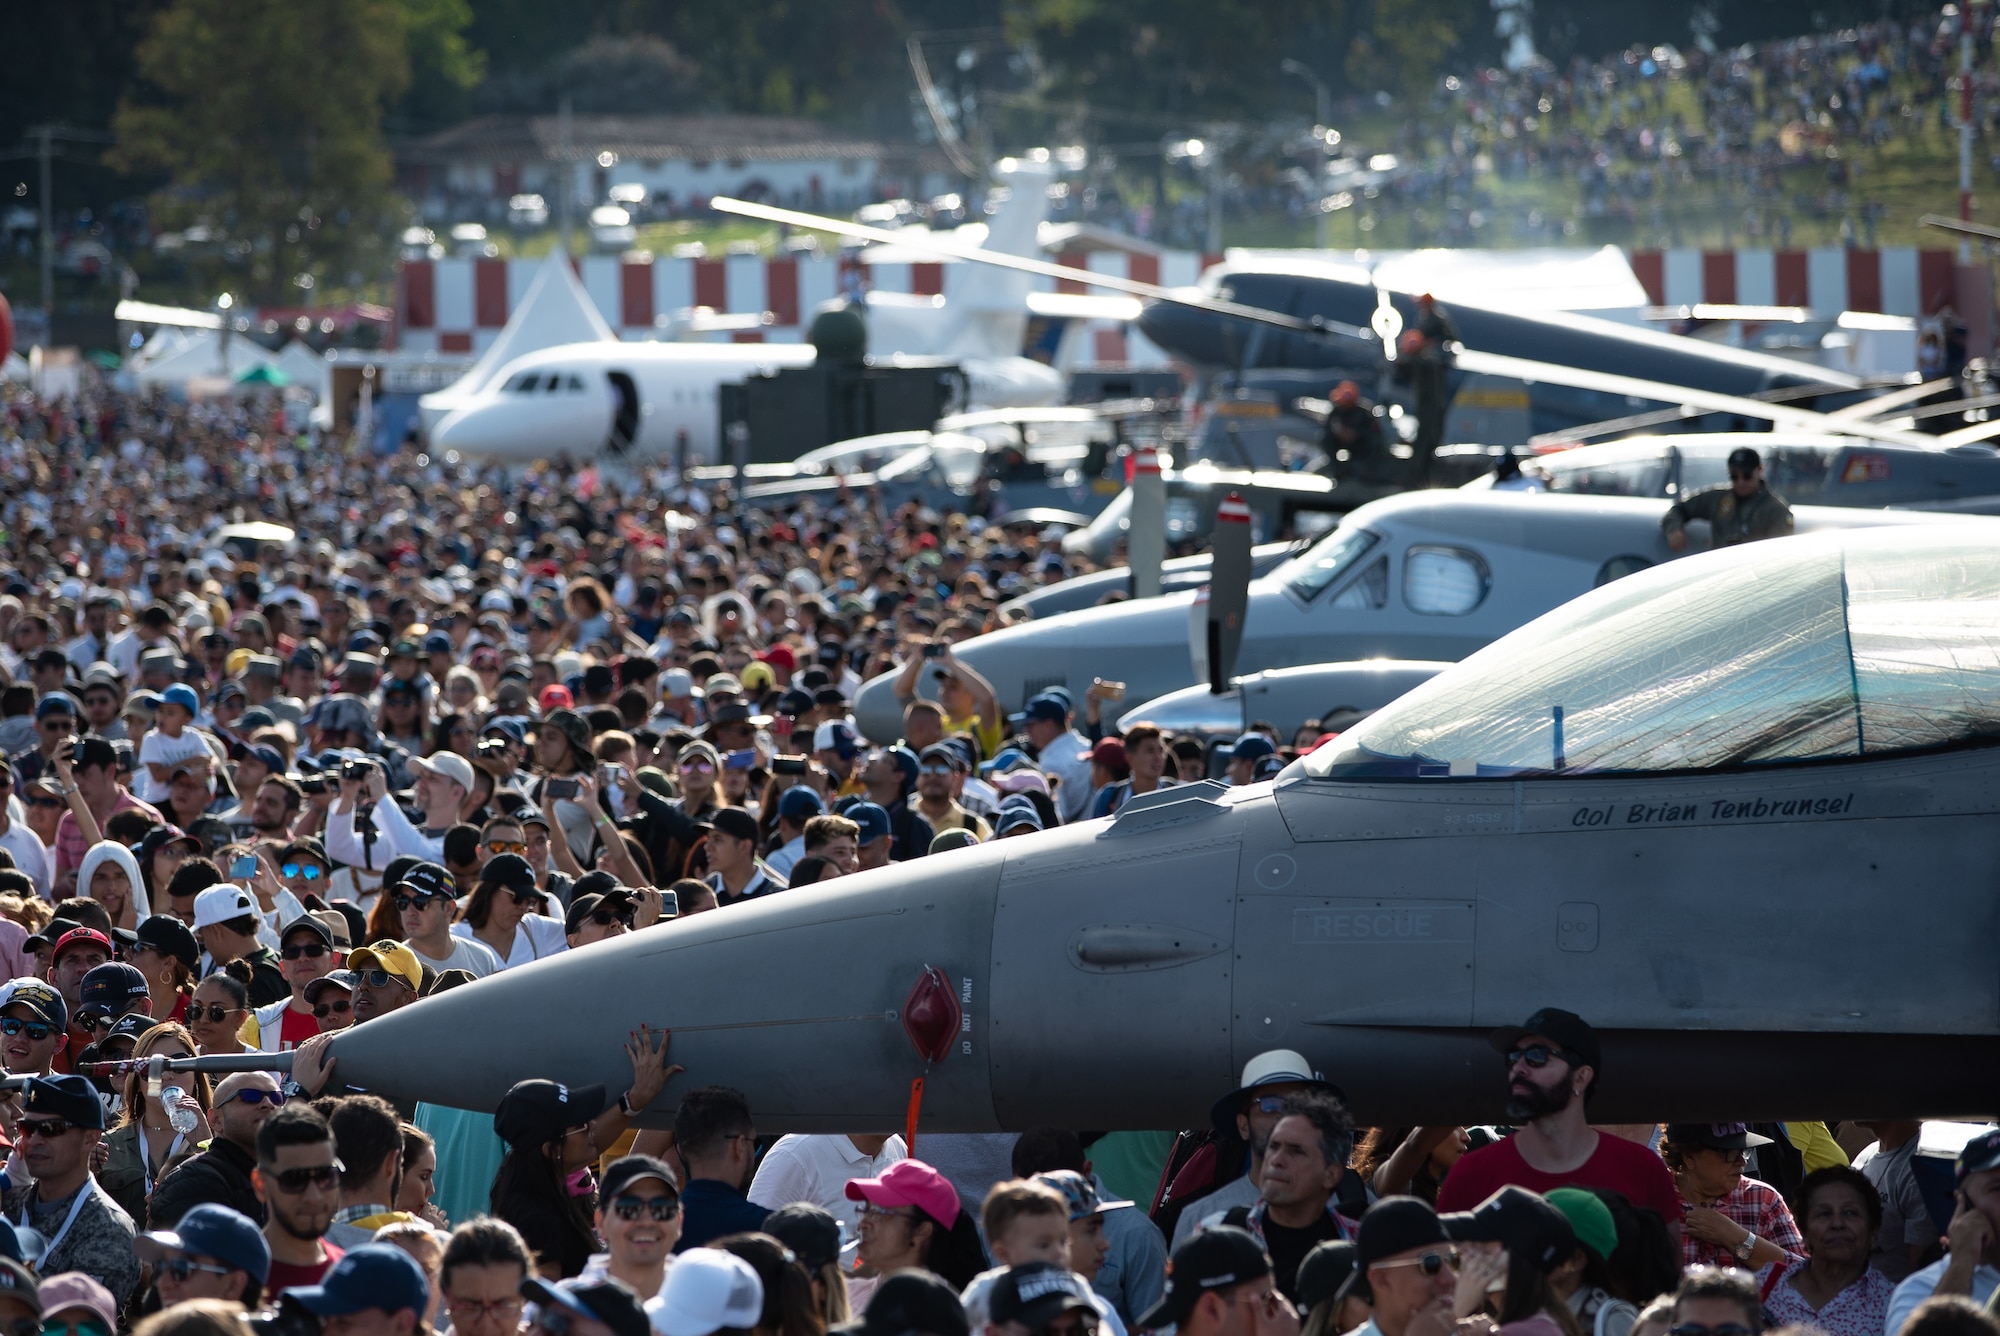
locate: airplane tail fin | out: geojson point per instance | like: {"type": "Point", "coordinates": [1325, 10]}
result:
{"type": "Point", "coordinates": [994, 301]}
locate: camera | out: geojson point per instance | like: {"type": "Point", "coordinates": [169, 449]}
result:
{"type": "Point", "coordinates": [313, 785]}
{"type": "Point", "coordinates": [354, 768]}
{"type": "Point", "coordinates": [492, 747]}
{"type": "Point", "coordinates": [788, 765]}
{"type": "Point", "coordinates": [934, 651]}
{"type": "Point", "coordinates": [128, 760]}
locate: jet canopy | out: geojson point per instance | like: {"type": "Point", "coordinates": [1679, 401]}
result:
{"type": "Point", "coordinates": [1803, 649]}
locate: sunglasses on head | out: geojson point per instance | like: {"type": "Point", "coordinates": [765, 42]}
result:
{"type": "Point", "coordinates": [340, 1008]}
{"type": "Point", "coordinates": [1537, 1056]}
{"type": "Point", "coordinates": [660, 1208]}
{"type": "Point", "coordinates": [304, 951]}
{"type": "Point", "coordinates": [36, 1031]}
{"type": "Point", "coordinates": [506, 846]}
{"type": "Point", "coordinates": [1429, 1263]}
{"type": "Point", "coordinates": [323, 1176]}
{"type": "Point", "coordinates": [254, 1096]}
{"type": "Point", "coordinates": [43, 1127]}
{"type": "Point", "coordinates": [310, 871]}
{"type": "Point", "coordinates": [216, 1012]}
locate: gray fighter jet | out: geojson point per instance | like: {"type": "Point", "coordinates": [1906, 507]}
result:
{"type": "Point", "coordinates": [1335, 693]}
{"type": "Point", "coordinates": [1738, 810]}
{"type": "Point", "coordinates": [1423, 575]}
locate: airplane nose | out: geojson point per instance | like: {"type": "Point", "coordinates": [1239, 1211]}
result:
{"type": "Point", "coordinates": [525, 427]}
{"type": "Point", "coordinates": [1183, 331]}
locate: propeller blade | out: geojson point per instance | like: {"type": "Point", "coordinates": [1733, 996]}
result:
{"type": "Point", "coordinates": [959, 251]}
{"type": "Point", "coordinates": [1146, 536]}
{"type": "Point", "coordinates": [1228, 590]}
{"type": "Point", "coordinates": [1880, 405]}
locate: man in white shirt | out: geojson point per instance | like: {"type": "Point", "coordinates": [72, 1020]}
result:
{"type": "Point", "coordinates": [1970, 1267]}
{"type": "Point", "coordinates": [426, 899]}
{"type": "Point", "coordinates": [816, 1168]}
{"type": "Point", "coordinates": [1907, 1232]}
{"type": "Point", "coordinates": [442, 783]}
{"type": "Point", "coordinates": [1059, 750]}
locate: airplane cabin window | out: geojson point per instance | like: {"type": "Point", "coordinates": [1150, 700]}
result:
{"type": "Point", "coordinates": [1643, 476]}
{"type": "Point", "coordinates": [1820, 647]}
{"type": "Point", "coordinates": [1369, 590]}
{"type": "Point", "coordinates": [524, 383]}
{"type": "Point", "coordinates": [555, 384]}
{"type": "Point", "coordinates": [1444, 581]}
{"type": "Point", "coordinates": [575, 384]}
{"type": "Point", "coordinates": [1313, 571]}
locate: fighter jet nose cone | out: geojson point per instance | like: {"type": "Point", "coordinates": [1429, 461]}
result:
{"type": "Point", "coordinates": [797, 1000]}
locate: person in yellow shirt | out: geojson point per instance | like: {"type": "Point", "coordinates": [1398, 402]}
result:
{"type": "Point", "coordinates": [965, 700]}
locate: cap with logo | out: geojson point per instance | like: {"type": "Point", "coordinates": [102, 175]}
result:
{"type": "Point", "coordinates": [1080, 1193]}
{"type": "Point", "coordinates": [1715, 1136]}
{"type": "Point", "coordinates": [212, 1230]}
{"type": "Point", "coordinates": [71, 1098]}
{"type": "Point", "coordinates": [532, 1113]}
{"type": "Point", "coordinates": [398, 959]}
{"type": "Point", "coordinates": [1036, 1294]}
{"type": "Point", "coordinates": [1978, 1156]}
{"type": "Point", "coordinates": [169, 937]}
{"type": "Point", "coordinates": [76, 937]}
{"type": "Point", "coordinates": [111, 989]}
{"type": "Point", "coordinates": [38, 998]}
{"type": "Point", "coordinates": [427, 878]}
{"type": "Point", "coordinates": [1211, 1259]}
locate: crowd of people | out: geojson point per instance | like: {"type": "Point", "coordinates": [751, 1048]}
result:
{"type": "Point", "coordinates": [259, 791]}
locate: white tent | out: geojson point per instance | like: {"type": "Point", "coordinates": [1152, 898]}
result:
{"type": "Point", "coordinates": [202, 355]}
{"type": "Point", "coordinates": [306, 368]}
{"type": "Point", "coordinates": [555, 311]}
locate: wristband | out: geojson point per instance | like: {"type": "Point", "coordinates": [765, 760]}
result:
{"type": "Point", "coordinates": [625, 1105]}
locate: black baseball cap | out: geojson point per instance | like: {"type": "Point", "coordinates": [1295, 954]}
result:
{"type": "Point", "coordinates": [1037, 1293]}
{"type": "Point", "coordinates": [911, 1301]}
{"type": "Point", "coordinates": [535, 1112]}
{"type": "Point", "coordinates": [1525, 1221]}
{"type": "Point", "coordinates": [809, 1231]}
{"type": "Point", "coordinates": [307, 922]}
{"type": "Point", "coordinates": [509, 872]}
{"type": "Point", "coordinates": [429, 878]}
{"type": "Point", "coordinates": [583, 906]}
{"type": "Point", "coordinates": [1716, 1136]}
{"type": "Point", "coordinates": [609, 1301]}
{"type": "Point", "coordinates": [1978, 1156]}
{"type": "Point", "coordinates": [626, 1170]}
{"type": "Point", "coordinates": [736, 822]}
{"type": "Point", "coordinates": [71, 1098]}
{"type": "Point", "coordinates": [1394, 1225]}
{"type": "Point", "coordinates": [170, 937]}
{"type": "Point", "coordinates": [1209, 1260]}
{"type": "Point", "coordinates": [110, 989]}
{"type": "Point", "coordinates": [1567, 1028]}
{"type": "Point", "coordinates": [1323, 1272]}
{"type": "Point", "coordinates": [1743, 457]}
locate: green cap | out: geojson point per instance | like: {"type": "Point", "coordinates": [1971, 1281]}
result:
{"type": "Point", "coordinates": [1589, 1218]}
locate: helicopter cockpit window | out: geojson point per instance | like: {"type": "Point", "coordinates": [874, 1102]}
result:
{"type": "Point", "coordinates": [1858, 644]}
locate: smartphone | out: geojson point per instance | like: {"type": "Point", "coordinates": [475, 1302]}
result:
{"type": "Point", "coordinates": [934, 651]}
{"type": "Point", "coordinates": [243, 868]}
{"type": "Point", "coordinates": [740, 760]}
{"type": "Point", "coordinates": [788, 765]}
{"type": "Point", "coordinates": [561, 788]}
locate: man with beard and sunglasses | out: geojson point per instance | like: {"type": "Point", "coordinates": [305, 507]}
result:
{"type": "Point", "coordinates": [298, 1180]}
{"type": "Point", "coordinates": [1552, 1067]}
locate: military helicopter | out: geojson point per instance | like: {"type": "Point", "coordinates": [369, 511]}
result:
{"type": "Point", "coordinates": [1619, 809]}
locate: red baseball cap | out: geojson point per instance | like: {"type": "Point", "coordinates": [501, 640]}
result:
{"type": "Point", "coordinates": [79, 937]}
{"type": "Point", "coordinates": [781, 656]}
{"type": "Point", "coordinates": [555, 696]}
{"type": "Point", "coordinates": [910, 1183]}
{"type": "Point", "coordinates": [1109, 751]}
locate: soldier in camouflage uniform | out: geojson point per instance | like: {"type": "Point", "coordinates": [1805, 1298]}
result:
{"type": "Point", "coordinates": [1742, 511]}
{"type": "Point", "coordinates": [61, 1124]}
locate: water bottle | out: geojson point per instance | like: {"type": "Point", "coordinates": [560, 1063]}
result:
{"type": "Point", "coordinates": [181, 1117]}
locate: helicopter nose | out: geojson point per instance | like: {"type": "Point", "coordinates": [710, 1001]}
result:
{"type": "Point", "coordinates": [1191, 334]}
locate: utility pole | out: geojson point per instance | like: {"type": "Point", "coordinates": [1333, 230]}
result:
{"type": "Point", "coordinates": [567, 181]}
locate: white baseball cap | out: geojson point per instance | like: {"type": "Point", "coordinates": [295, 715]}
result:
{"type": "Point", "coordinates": [706, 1290]}
{"type": "Point", "coordinates": [447, 763]}
{"type": "Point", "coordinates": [220, 904]}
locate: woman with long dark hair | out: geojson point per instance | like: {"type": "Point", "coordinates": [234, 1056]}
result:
{"type": "Point", "coordinates": [788, 1292]}
{"type": "Point", "coordinates": [548, 1140]}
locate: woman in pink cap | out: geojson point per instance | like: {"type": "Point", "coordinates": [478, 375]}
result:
{"type": "Point", "coordinates": [911, 1217]}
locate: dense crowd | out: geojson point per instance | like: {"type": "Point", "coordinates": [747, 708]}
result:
{"type": "Point", "coordinates": [261, 789]}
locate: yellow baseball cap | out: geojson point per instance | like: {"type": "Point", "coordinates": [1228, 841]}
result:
{"type": "Point", "coordinates": [393, 957]}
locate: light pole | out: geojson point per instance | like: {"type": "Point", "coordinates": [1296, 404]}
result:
{"type": "Point", "coordinates": [1323, 132]}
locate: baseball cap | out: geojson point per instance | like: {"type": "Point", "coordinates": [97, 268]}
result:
{"type": "Point", "coordinates": [449, 764]}
{"type": "Point", "coordinates": [538, 1111]}
{"type": "Point", "coordinates": [706, 1290]}
{"type": "Point", "coordinates": [398, 959]}
{"type": "Point", "coordinates": [956, 838]}
{"type": "Point", "coordinates": [837, 737]}
{"type": "Point", "coordinates": [1021, 781]}
{"type": "Point", "coordinates": [374, 1275]}
{"type": "Point", "coordinates": [873, 820]}
{"type": "Point", "coordinates": [1394, 1225]}
{"type": "Point", "coordinates": [1080, 1193]}
{"type": "Point", "coordinates": [170, 937]}
{"type": "Point", "coordinates": [511, 871]}
{"type": "Point", "coordinates": [609, 1301]}
{"type": "Point", "coordinates": [427, 878]}
{"type": "Point", "coordinates": [212, 1230]}
{"type": "Point", "coordinates": [910, 1183]}
{"type": "Point", "coordinates": [1111, 752]}
{"type": "Point", "coordinates": [111, 988]}
{"type": "Point", "coordinates": [1017, 816]}
{"type": "Point", "coordinates": [1035, 1294]}
{"type": "Point", "coordinates": [676, 684]}
{"type": "Point", "coordinates": [1589, 1218]}
{"type": "Point", "coordinates": [1047, 707]}
{"type": "Point", "coordinates": [811, 1233]}
{"type": "Point", "coordinates": [1252, 747]}
{"type": "Point", "coordinates": [341, 979]}
{"type": "Point", "coordinates": [626, 1170]}
{"type": "Point", "coordinates": [1210, 1259]}
{"type": "Point", "coordinates": [1716, 1136]}
{"type": "Point", "coordinates": [71, 1098]}
{"type": "Point", "coordinates": [73, 1289]}
{"type": "Point", "coordinates": [182, 695]}
{"type": "Point", "coordinates": [758, 677]}
{"type": "Point", "coordinates": [220, 904]}
{"type": "Point", "coordinates": [736, 822]}
{"type": "Point", "coordinates": [1324, 1270]}
{"type": "Point", "coordinates": [1743, 457]}
{"type": "Point", "coordinates": [1565, 1027]}
{"type": "Point", "coordinates": [582, 907]}
{"type": "Point", "coordinates": [1523, 1220]}
{"type": "Point", "coordinates": [555, 696]}
{"type": "Point", "coordinates": [54, 703]}
{"type": "Point", "coordinates": [80, 937]}
{"type": "Point", "coordinates": [267, 756]}
{"type": "Point", "coordinates": [16, 1281]}
{"type": "Point", "coordinates": [1978, 1156]}
{"type": "Point", "coordinates": [905, 1302]}
{"type": "Point", "coordinates": [37, 997]}
{"type": "Point", "coordinates": [308, 922]}
{"type": "Point", "coordinates": [801, 804]}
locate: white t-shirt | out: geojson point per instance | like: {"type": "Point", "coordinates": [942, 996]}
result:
{"type": "Point", "coordinates": [536, 937]}
{"type": "Point", "coordinates": [159, 749]}
{"type": "Point", "coordinates": [466, 954]}
{"type": "Point", "coordinates": [817, 1168]}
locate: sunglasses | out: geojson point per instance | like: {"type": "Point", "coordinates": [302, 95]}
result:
{"type": "Point", "coordinates": [47, 802]}
{"type": "Point", "coordinates": [326, 1177]}
{"type": "Point", "coordinates": [418, 902]}
{"type": "Point", "coordinates": [660, 1208]}
{"type": "Point", "coordinates": [80, 1326]}
{"type": "Point", "coordinates": [700, 766]}
{"type": "Point", "coordinates": [310, 871]}
{"type": "Point", "coordinates": [936, 768]}
{"type": "Point", "coordinates": [216, 1012]}
{"type": "Point", "coordinates": [304, 951]}
{"type": "Point", "coordinates": [276, 1097]}
{"type": "Point", "coordinates": [506, 846]}
{"type": "Point", "coordinates": [1430, 1263]}
{"type": "Point", "coordinates": [36, 1031]}
{"type": "Point", "coordinates": [380, 979]}
{"type": "Point", "coordinates": [1537, 1056]}
{"type": "Point", "coordinates": [91, 1023]}
{"type": "Point", "coordinates": [325, 1009]}
{"type": "Point", "coordinates": [604, 918]}
{"type": "Point", "coordinates": [181, 1268]}
{"type": "Point", "coordinates": [43, 1127]}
